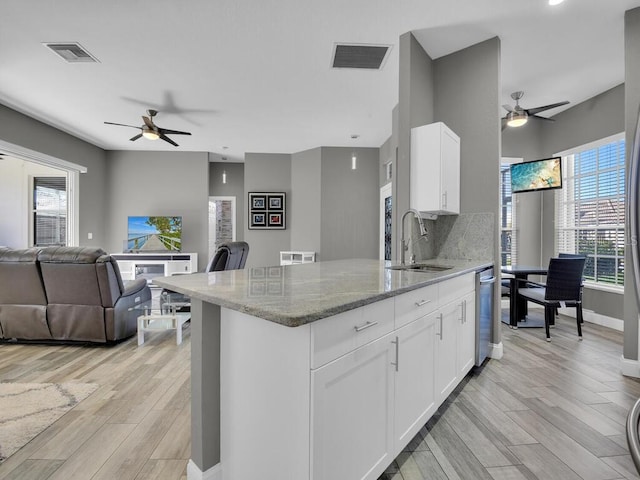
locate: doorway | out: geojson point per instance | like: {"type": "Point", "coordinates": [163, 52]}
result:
{"type": "Point", "coordinates": [222, 222]}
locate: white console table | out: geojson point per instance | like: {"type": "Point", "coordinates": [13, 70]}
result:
{"type": "Point", "coordinates": [152, 265]}
{"type": "Point", "coordinates": [294, 258]}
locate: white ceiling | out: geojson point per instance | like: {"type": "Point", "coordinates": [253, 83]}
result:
{"type": "Point", "coordinates": [255, 76]}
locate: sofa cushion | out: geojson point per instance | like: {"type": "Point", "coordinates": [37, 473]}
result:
{"type": "Point", "coordinates": [20, 279]}
{"type": "Point", "coordinates": [77, 322]}
{"type": "Point", "coordinates": [25, 322]}
{"type": "Point", "coordinates": [70, 254]}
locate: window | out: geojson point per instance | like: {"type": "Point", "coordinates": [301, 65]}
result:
{"type": "Point", "coordinates": [508, 244]}
{"type": "Point", "coordinates": [49, 211]}
{"type": "Point", "coordinates": [590, 208]}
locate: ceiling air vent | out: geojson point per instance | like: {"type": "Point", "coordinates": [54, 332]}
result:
{"type": "Point", "coordinates": [360, 56]}
{"type": "Point", "coordinates": [71, 52]}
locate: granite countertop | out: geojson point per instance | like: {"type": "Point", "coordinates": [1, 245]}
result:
{"type": "Point", "coordinates": [295, 295]}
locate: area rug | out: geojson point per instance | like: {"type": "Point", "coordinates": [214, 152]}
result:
{"type": "Point", "coordinates": [26, 409]}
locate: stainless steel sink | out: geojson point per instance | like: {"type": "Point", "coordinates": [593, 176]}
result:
{"type": "Point", "coordinates": [417, 267]}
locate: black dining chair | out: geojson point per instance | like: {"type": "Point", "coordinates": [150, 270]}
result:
{"type": "Point", "coordinates": [572, 255]}
{"type": "Point", "coordinates": [563, 289]}
{"type": "Point", "coordinates": [228, 256]}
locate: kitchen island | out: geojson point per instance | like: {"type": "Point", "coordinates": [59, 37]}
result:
{"type": "Point", "coordinates": [323, 370]}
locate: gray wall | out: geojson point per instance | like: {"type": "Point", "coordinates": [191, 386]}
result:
{"type": "Point", "coordinates": [305, 202]}
{"type": "Point", "coordinates": [415, 108]}
{"type": "Point", "coordinates": [159, 183]}
{"type": "Point", "coordinates": [267, 172]}
{"type": "Point", "coordinates": [26, 132]}
{"type": "Point", "coordinates": [594, 119]}
{"type": "Point", "coordinates": [233, 188]}
{"type": "Point", "coordinates": [632, 106]}
{"type": "Point", "coordinates": [350, 204]}
{"type": "Point", "coordinates": [467, 94]}
{"type": "Point", "coordinates": [467, 85]}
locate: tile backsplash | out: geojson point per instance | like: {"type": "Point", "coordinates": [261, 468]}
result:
{"type": "Point", "coordinates": [468, 236]}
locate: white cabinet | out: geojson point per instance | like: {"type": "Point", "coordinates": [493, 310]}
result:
{"type": "Point", "coordinates": [467, 335]}
{"type": "Point", "coordinates": [446, 375]}
{"type": "Point", "coordinates": [415, 399]}
{"type": "Point", "coordinates": [352, 413]}
{"type": "Point", "coordinates": [455, 342]}
{"type": "Point", "coordinates": [435, 169]}
{"type": "Point", "coordinates": [341, 397]}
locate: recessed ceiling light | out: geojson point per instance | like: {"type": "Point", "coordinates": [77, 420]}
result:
{"type": "Point", "coordinates": [555, 2]}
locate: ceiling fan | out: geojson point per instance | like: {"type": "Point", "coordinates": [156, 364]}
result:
{"type": "Point", "coordinates": [518, 116]}
{"type": "Point", "coordinates": [151, 131]}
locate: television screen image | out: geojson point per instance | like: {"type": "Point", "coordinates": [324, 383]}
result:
{"type": "Point", "coordinates": [542, 174]}
{"type": "Point", "coordinates": [154, 234]}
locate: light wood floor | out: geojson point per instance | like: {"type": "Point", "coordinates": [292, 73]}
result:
{"type": "Point", "coordinates": [545, 411]}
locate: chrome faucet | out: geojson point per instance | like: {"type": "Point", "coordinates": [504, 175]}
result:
{"type": "Point", "coordinates": [405, 244]}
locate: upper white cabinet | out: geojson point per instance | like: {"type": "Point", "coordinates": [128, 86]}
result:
{"type": "Point", "coordinates": [435, 170]}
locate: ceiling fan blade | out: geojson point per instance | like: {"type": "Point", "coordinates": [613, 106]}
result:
{"type": "Point", "coordinates": [133, 139]}
{"type": "Point", "coordinates": [148, 122]}
{"type": "Point", "coordinates": [533, 111]}
{"type": "Point", "coordinates": [543, 118]}
{"type": "Point", "coordinates": [121, 124]}
{"type": "Point", "coordinates": [508, 108]}
{"type": "Point", "coordinates": [172, 132]}
{"type": "Point", "coordinates": [167, 139]}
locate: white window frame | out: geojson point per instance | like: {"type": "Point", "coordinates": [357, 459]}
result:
{"type": "Point", "coordinates": [32, 210]}
{"type": "Point", "coordinates": [561, 219]}
{"type": "Point", "coordinates": [73, 180]}
{"type": "Point", "coordinates": [504, 162]}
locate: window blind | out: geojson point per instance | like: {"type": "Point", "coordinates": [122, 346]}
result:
{"type": "Point", "coordinates": [49, 211]}
{"type": "Point", "coordinates": [590, 209]}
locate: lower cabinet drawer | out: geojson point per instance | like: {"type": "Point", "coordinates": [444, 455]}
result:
{"type": "Point", "coordinates": [456, 288]}
{"type": "Point", "coordinates": [334, 336]}
{"type": "Point", "coordinates": [412, 305]}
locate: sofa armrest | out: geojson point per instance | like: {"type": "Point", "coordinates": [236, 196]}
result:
{"type": "Point", "coordinates": [134, 286]}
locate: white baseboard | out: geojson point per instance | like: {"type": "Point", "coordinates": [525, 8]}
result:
{"type": "Point", "coordinates": [194, 472]}
{"type": "Point", "coordinates": [593, 317]}
{"type": "Point", "coordinates": [629, 368]}
{"type": "Point", "coordinates": [496, 351]}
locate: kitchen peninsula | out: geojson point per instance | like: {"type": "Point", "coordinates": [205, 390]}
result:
{"type": "Point", "coordinates": [323, 370]}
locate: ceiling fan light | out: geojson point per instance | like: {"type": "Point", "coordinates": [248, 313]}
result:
{"type": "Point", "coordinates": [150, 134]}
{"type": "Point", "coordinates": [516, 119]}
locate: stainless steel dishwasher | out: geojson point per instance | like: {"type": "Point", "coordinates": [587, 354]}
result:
{"type": "Point", "coordinates": [485, 282]}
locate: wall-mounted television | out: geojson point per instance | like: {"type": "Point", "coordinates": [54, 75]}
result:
{"type": "Point", "coordinates": [154, 234]}
{"type": "Point", "coordinates": [536, 175]}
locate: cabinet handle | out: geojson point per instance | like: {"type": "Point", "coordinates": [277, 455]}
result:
{"type": "Point", "coordinates": [359, 328]}
{"type": "Point", "coordinates": [464, 302]}
{"type": "Point", "coordinates": [397, 344]}
{"type": "Point", "coordinates": [422, 302]}
{"type": "Point", "coordinates": [440, 334]}
{"type": "Point", "coordinates": [462, 312]}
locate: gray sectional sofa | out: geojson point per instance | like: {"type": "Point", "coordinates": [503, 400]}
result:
{"type": "Point", "coordinates": [66, 294]}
